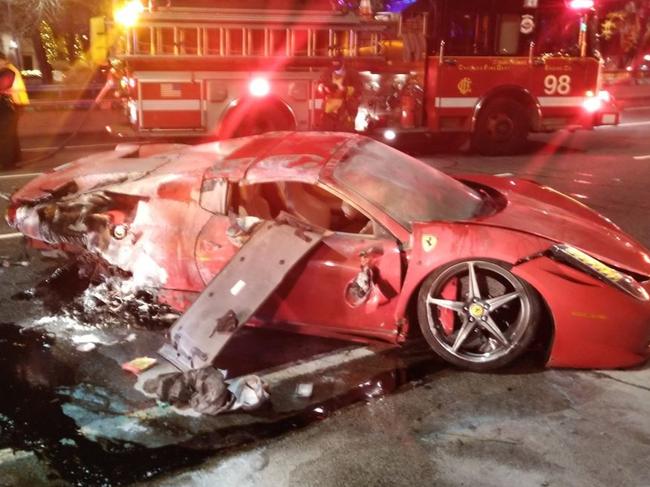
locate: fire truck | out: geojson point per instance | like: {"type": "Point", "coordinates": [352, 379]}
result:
{"type": "Point", "coordinates": [495, 69]}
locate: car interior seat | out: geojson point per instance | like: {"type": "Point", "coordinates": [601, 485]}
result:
{"type": "Point", "coordinates": [253, 203]}
{"type": "Point", "coordinates": [306, 204]}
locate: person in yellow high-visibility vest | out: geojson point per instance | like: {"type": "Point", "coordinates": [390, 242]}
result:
{"type": "Point", "coordinates": [17, 92]}
{"type": "Point", "coordinates": [7, 120]}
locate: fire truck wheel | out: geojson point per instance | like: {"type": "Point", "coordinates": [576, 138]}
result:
{"type": "Point", "coordinates": [501, 129]}
{"type": "Point", "coordinates": [254, 126]}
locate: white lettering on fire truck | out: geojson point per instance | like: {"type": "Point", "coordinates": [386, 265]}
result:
{"type": "Point", "coordinates": [557, 84]}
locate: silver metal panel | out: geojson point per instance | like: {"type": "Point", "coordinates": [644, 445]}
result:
{"type": "Point", "coordinates": [235, 294]}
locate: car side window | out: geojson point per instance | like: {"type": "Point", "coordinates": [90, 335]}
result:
{"type": "Point", "coordinates": [214, 193]}
{"type": "Point", "coordinates": [307, 202]}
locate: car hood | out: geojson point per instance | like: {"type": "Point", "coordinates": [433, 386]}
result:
{"type": "Point", "coordinates": [544, 212]}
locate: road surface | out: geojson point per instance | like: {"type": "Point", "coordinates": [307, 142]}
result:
{"type": "Point", "coordinates": [378, 416]}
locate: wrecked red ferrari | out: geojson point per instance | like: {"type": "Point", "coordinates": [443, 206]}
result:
{"type": "Point", "coordinates": [339, 235]}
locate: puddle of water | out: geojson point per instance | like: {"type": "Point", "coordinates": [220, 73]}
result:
{"type": "Point", "coordinates": [31, 418]}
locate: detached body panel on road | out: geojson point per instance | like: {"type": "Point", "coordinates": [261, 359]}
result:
{"type": "Point", "coordinates": [483, 265]}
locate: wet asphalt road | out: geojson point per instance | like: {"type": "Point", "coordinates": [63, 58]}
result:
{"type": "Point", "coordinates": [394, 417]}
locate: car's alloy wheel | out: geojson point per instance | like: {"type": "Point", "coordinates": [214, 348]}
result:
{"type": "Point", "coordinates": [477, 315]}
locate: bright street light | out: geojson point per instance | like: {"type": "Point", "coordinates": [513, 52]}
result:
{"type": "Point", "coordinates": [128, 15]}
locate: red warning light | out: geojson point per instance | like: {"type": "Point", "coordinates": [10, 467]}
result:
{"type": "Point", "coordinates": [581, 4]}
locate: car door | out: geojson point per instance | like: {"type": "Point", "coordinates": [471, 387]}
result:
{"type": "Point", "coordinates": [349, 284]}
{"type": "Point", "coordinates": [347, 287]}
{"type": "Point", "coordinates": [213, 249]}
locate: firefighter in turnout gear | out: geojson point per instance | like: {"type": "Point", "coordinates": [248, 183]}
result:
{"type": "Point", "coordinates": [340, 87]}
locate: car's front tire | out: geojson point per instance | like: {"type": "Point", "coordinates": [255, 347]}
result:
{"type": "Point", "coordinates": [478, 315]}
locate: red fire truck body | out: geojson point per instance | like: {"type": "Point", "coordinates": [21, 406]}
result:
{"type": "Point", "coordinates": [497, 71]}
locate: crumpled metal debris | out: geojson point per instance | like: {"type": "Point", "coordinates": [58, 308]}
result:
{"type": "Point", "coordinates": [205, 391]}
{"type": "Point", "coordinates": [91, 291]}
{"type": "Point", "coordinates": [240, 229]}
{"type": "Point", "coordinates": [250, 392]}
{"type": "Point", "coordinates": [358, 290]}
{"type": "Point", "coordinates": [74, 218]}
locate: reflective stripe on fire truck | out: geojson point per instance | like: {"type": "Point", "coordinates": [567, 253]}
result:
{"type": "Point", "coordinates": [171, 105]}
{"type": "Point", "coordinates": [561, 101]}
{"type": "Point", "coordinates": [456, 102]}
{"type": "Point", "coordinates": [544, 101]}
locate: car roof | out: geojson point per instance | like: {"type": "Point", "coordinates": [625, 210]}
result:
{"type": "Point", "coordinates": [298, 156]}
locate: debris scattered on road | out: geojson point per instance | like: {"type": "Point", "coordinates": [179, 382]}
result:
{"type": "Point", "coordinates": [94, 339]}
{"type": "Point", "coordinates": [250, 393]}
{"type": "Point", "coordinates": [19, 263]}
{"type": "Point", "coordinates": [139, 364]}
{"type": "Point", "coordinates": [304, 390]}
{"type": "Point", "coordinates": [88, 291]}
{"type": "Point", "coordinates": [206, 391]}
{"type": "Point", "coordinates": [86, 347]}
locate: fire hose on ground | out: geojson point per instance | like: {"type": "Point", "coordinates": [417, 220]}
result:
{"type": "Point", "coordinates": [108, 86]}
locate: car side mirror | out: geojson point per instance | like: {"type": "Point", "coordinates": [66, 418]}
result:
{"type": "Point", "coordinates": [213, 195]}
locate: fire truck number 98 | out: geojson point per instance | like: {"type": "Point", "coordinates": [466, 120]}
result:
{"type": "Point", "coordinates": [560, 85]}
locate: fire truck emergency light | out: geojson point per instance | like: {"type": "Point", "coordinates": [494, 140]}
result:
{"type": "Point", "coordinates": [259, 87]}
{"type": "Point", "coordinates": [581, 4]}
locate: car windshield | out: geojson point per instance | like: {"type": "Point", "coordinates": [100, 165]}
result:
{"type": "Point", "coordinates": [406, 189]}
